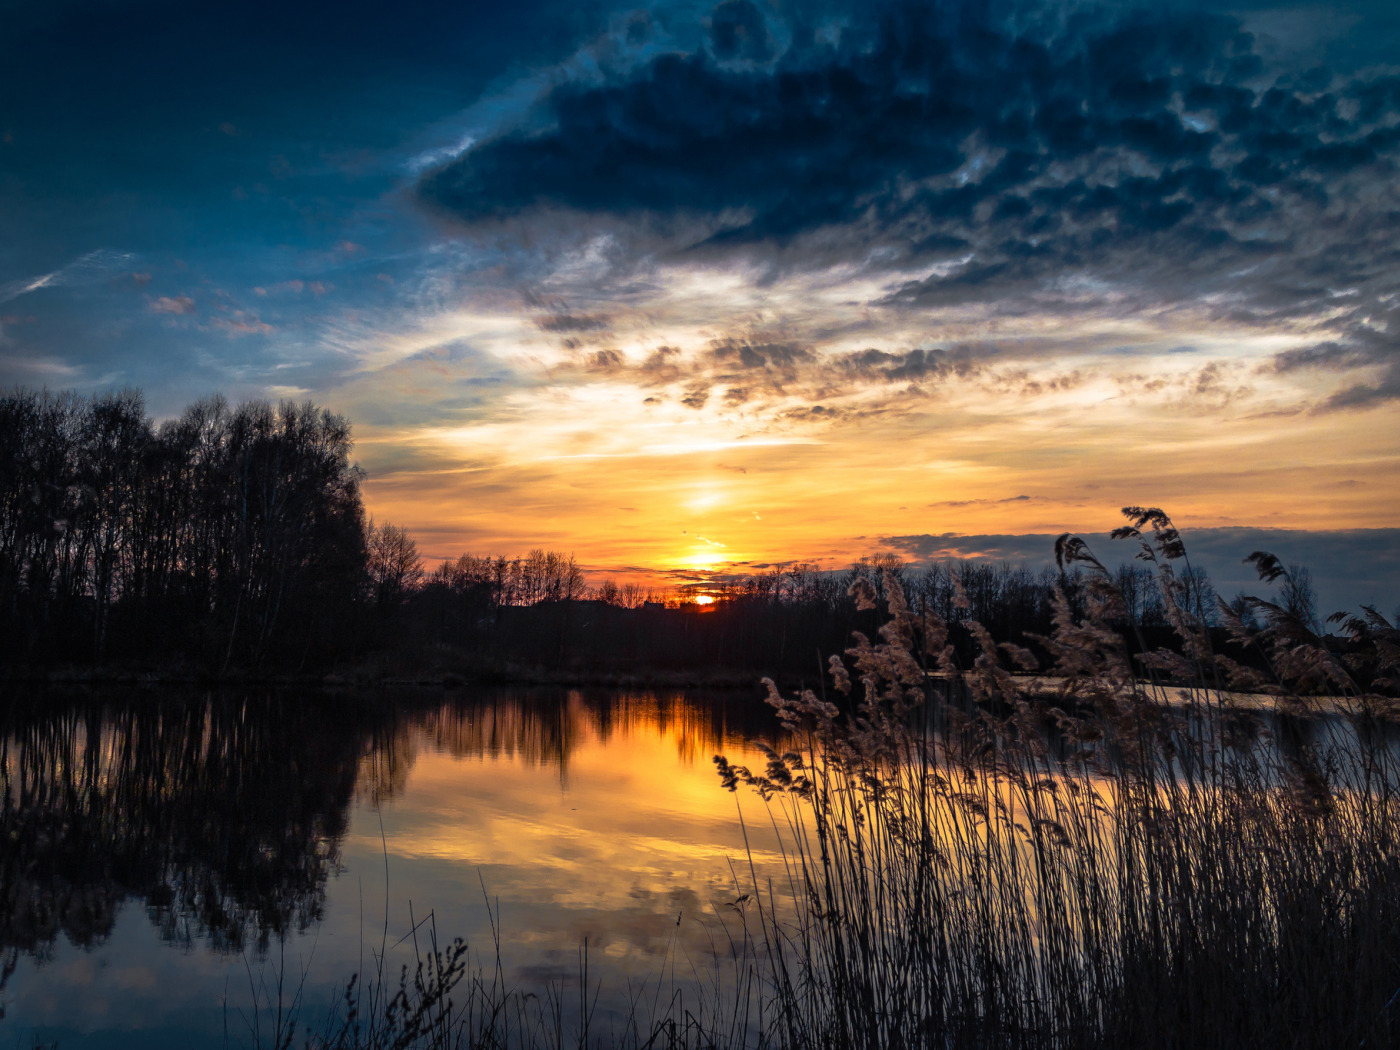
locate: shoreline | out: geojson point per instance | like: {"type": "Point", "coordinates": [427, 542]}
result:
{"type": "Point", "coordinates": [357, 678]}
{"type": "Point", "coordinates": [735, 680]}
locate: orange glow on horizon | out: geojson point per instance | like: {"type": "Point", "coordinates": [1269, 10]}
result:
{"type": "Point", "coordinates": [671, 472]}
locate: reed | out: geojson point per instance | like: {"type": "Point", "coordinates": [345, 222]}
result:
{"type": "Point", "coordinates": [449, 997]}
{"type": "Point", "coordinates": [1124, 857]}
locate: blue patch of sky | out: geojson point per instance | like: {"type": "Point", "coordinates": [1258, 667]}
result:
{"type": "Point", "coordinates": [166, 160]}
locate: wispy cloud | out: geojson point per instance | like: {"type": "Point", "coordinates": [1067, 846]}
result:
{"type": "Point", "coordinates": [86, 269]}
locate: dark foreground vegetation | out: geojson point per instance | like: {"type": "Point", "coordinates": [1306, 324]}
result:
{"type": "Point", "coordinates": [233, 540]}
{"type": "Point", "coordinates": [982, 860]}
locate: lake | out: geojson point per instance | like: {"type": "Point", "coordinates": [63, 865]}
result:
{"type": "Point", "coordinates": [165, 857]}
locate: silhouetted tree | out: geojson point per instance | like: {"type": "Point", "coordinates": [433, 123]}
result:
{"type": "Point", "coordinates": [228, 535]}
{"type": "Point", "coordinates": [394, 565]}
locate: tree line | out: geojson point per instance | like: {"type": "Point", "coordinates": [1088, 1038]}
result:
{"type": "Point", "coordinates": [230, 535]}
{"type": "Point", "coordinates": [776, 621]}
{"type": "Point", "coordinates": [234, 537]}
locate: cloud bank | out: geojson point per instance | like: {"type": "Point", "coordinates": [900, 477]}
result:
{"type": "Point", "coordinates": [1063, 159]}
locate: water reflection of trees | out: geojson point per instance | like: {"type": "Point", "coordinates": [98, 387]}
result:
{"type": "Point", "coordinates": [546, 727]}
{"type": "Point", "coordinates": [223, 815]}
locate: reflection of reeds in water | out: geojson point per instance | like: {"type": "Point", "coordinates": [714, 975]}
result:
{"type": "Point", "coordinates": [1146, 876]}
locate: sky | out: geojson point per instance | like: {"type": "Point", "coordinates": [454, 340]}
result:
{"type": "Point", "coordinates": [692, 289]}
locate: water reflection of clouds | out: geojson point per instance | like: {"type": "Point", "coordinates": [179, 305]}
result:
{"type": "Point", "coordinates": [632, 834]}
{"type": "Point", "coordinates": [581, 816]}
{"type": "Point", "coordinates": [629, 833]}
{"type": "Point", "coordinates": [587, 816]}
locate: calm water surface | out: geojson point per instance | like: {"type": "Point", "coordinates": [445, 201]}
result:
{"type": "Point", "coordinates": [163, 857]}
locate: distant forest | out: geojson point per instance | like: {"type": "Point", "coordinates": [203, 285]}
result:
{"type": "Point", "coordinates": [234, 539]}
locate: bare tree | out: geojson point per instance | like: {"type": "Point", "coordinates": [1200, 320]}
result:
{"type": "Point", "coordinates": [394, 565]}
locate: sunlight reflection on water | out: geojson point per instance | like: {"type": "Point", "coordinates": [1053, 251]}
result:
{"type": "Point", "coordinates": [143, 873]}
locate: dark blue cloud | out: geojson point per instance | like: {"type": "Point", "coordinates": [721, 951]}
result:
{"type": "Point", "coordinates": [1121, 121]}
{"type": "Point", "coordinates": [737, 31]}
{"type": "Point", "coordinates": [1163, 151]}
{"type": "Point", "coordinates": [1012, 152]}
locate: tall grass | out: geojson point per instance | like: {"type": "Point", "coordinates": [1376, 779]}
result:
{"type": "Point", "coordinates": [449, 997]}
{"type": "Point", "coordinates": [977, 860]}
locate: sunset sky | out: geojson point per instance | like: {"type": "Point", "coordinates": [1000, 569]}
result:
{"type": "Point", "coordinates": [691, 289]}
